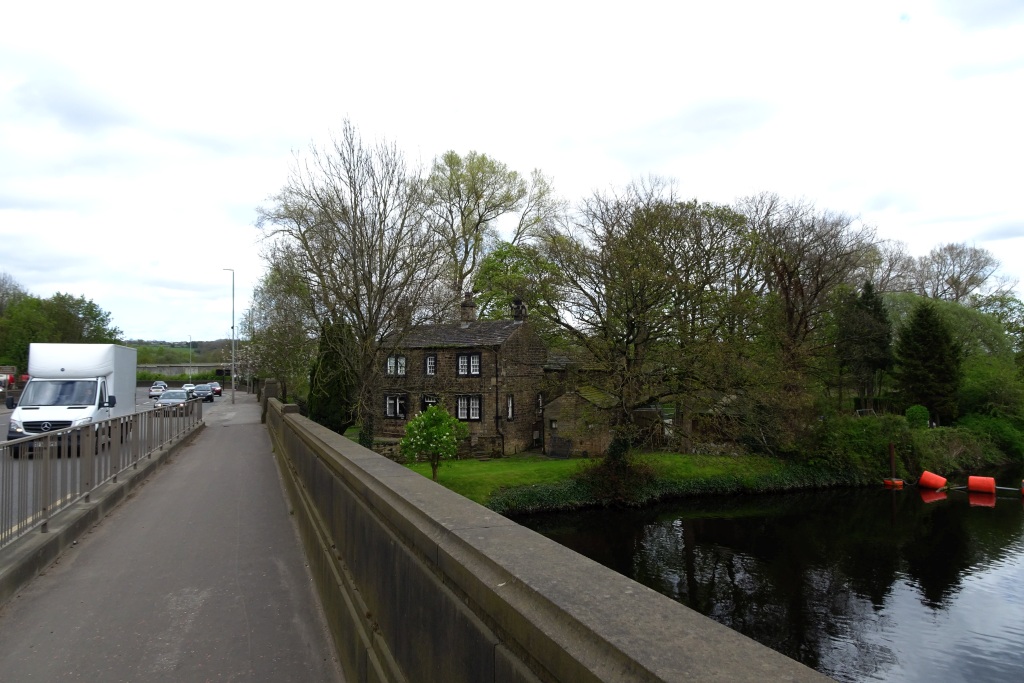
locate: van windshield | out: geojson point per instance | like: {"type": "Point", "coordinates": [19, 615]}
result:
{"type": "Point", "coordinates": [59, 393]}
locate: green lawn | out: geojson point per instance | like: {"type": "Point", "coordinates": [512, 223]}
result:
{"type": "Point", "coordinates": [477, 480]}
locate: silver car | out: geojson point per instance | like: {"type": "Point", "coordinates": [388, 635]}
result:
{"type": "Point", "coordinates": [172, 400]}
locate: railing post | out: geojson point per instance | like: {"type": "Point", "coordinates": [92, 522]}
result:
{"type": "Point", "coordinates": [44, 484]}
{"type": "Point", "coordinates": [88, 459]}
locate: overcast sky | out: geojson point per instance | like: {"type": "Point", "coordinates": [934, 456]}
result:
{"type": "Point", "coordinates": [137, 139]}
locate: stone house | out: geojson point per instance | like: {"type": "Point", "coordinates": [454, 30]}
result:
{"type": "Point", "coordinates": [487, 373]}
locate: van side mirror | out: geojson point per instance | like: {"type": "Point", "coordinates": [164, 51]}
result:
{"type": "Point", "coordinates": [111, 402]}
{"type": "Point", "coordinates": [11, 403]}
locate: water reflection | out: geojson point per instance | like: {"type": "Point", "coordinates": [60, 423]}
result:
{"type": "Point", "coordinates": [861, 585]}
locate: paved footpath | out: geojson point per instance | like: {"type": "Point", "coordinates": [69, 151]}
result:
{"type": "Point", "coordinates": [199, 576]}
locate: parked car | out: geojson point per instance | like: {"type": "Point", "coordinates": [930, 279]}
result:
{"type": "Point", "coordinates": [157, 389]}
{"type": "Point", "coordinates": [203, 391]}
{"type": "Point", "coordinates": [217, 391]}
{"type": "Point", "coordinates": [172, 399]}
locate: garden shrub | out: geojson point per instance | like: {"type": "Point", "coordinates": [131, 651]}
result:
{"type": "Point", "coordinates": [950, 450]}
{"type": "Point", "coordinates": [917, 417]}
{"type": "Point", "coordinates": [860, 446]}
{"type": "Point", "coordinates": [1001, 432]}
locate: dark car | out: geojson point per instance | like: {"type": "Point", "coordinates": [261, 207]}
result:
{"type": "Point", "coordinates": [203, 391]}
{"type": "Point", "coordinates": [216, 388]}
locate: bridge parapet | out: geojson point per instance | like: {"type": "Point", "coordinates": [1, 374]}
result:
{"type": "Point", "coordinates": [421, 584]}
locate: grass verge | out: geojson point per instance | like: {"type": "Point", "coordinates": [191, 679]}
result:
{"type": "Point", "coordinates": [525, 485]}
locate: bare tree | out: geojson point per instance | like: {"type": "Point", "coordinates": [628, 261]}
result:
{"type": "Point", "coordinates": [615, 293]}
{"type": "Point", "coordinates": [889, 268]}
{"type": "Point", "coordinates": [956, 272]}
{"type": "Point", "coordinates": [352, 216]}
{"type": "Point", "coordinates": [804, 254]}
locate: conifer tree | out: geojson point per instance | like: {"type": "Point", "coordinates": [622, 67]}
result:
{"type": "Point", "coordinates": [928, 363]}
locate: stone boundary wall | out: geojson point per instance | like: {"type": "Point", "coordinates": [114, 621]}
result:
{"type": "Point", "coordinates": [420, 584]}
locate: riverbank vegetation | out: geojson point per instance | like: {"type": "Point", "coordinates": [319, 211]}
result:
{"type": "Point", "coordinates": [853, 451]}
{"type": "Point", "coordinates": [767, 328]}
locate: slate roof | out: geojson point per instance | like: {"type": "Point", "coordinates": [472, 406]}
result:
{"type": "Point", "coordinates": [461, 334]}
{"type": "Point", "coordinates": [601, 399]}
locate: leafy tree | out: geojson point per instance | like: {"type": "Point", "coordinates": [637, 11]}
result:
{"type": "Point", "coordinates": [25, 321]}
{"type": "Point", "coordinates": [517, 272]}
{"type": "Point", "coordinates": [77, 320]}
{"type": "Point", "coordinates": [433, 435]}
{"type": "Point", "coordinates": [1009, 311]}
{"type": "Point", "coordinates": [466, 198]}
{"type": "Point", "coordinates": [928, 363]}
{"type": "Point", "coordinates": [282, 340]}
{"type": "Point", "coordinates": [60, 319]}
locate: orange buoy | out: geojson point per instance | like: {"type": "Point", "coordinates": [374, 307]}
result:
{"type": "Point", "coordinates": [979, 499]}
{"type": "Point", "coordinates": [929, 496]}
{"type": "Point", "coordinates": [981, 485]}
{"type": "Point", "coordinates": [929, 480]}
{"type": "Point", "coordinates": [893, 483]}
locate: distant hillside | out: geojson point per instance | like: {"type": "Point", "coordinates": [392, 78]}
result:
{"type": "Point", "coordinates": [150, 352]}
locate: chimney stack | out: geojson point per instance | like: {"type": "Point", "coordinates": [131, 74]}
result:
{"type": "Point", "coordinates": [468, 313]}
{"type": "Point", "coordinates": [518, 310]}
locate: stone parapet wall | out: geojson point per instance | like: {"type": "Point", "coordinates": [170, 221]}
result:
{"type": "Point", "coordinates": [421, 584]}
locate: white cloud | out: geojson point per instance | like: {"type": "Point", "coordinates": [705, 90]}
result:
{"type": "Point", "coordinates": [137, 140]}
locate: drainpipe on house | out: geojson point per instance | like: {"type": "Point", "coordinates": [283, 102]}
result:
{"type": "Point", "coordinates": [497, 403]}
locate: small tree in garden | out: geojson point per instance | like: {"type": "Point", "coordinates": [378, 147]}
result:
{"type": "Point", "coordinates": [433, 435]}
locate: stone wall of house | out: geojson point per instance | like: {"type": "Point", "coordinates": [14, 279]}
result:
{"type": "Point", "coordinates": [582, 428]}
{"type": "Point", "coordinates": [522, 375]}
{"type": "Point", "coordinates": [515, 369]}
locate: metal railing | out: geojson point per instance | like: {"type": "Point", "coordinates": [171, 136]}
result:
{"type": "Point", "coordinates": [42, 475]}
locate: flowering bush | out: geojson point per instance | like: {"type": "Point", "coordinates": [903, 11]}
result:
{"type": "Point", "coordinates": [433, 435]}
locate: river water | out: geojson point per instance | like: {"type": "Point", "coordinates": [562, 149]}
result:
{"type": "Point", "coordinates": [862, 585]}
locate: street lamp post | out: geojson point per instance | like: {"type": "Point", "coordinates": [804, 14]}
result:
{"type": "Point", "coordinates": [232, 333]}
{"type": "Point", "coordinates": [190, 358]}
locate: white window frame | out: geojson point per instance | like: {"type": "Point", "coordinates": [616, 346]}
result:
{"type": "Point", "coordinates": [396, 366]}
{"type": "Point", "coordinates": [468, 365]}
{"type": "Point", "coordinates": [430, 367]}
{"type": "Point", "coordinates": [510, 408]}
{"type": "Point", "coordinates": [396, 406]}
{"type": "Point", "coordinates": [469, 407]}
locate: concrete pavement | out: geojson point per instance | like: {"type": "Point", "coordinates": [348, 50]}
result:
{"type": "Point", "coordinates": [198, 576]}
